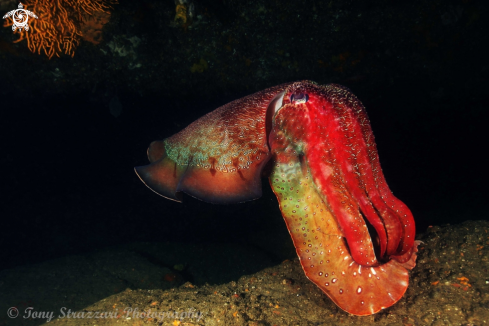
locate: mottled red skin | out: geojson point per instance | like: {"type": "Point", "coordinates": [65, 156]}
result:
{"type": "Point", "coordinates": [325, 172]}
{"type": "Point", "coordinates": [335, 131]}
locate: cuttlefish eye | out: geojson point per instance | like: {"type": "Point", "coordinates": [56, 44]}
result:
{"type": "Point", "coordinates": [299, 98]}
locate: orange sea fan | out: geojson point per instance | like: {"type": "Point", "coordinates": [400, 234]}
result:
{"type": "Point", "coordinates": [60, 24]}
{"type": "Point", "coordinates": [92, 28]}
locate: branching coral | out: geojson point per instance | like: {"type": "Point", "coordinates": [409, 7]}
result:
{"type": "Point", "coordinates": [59, 27]}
